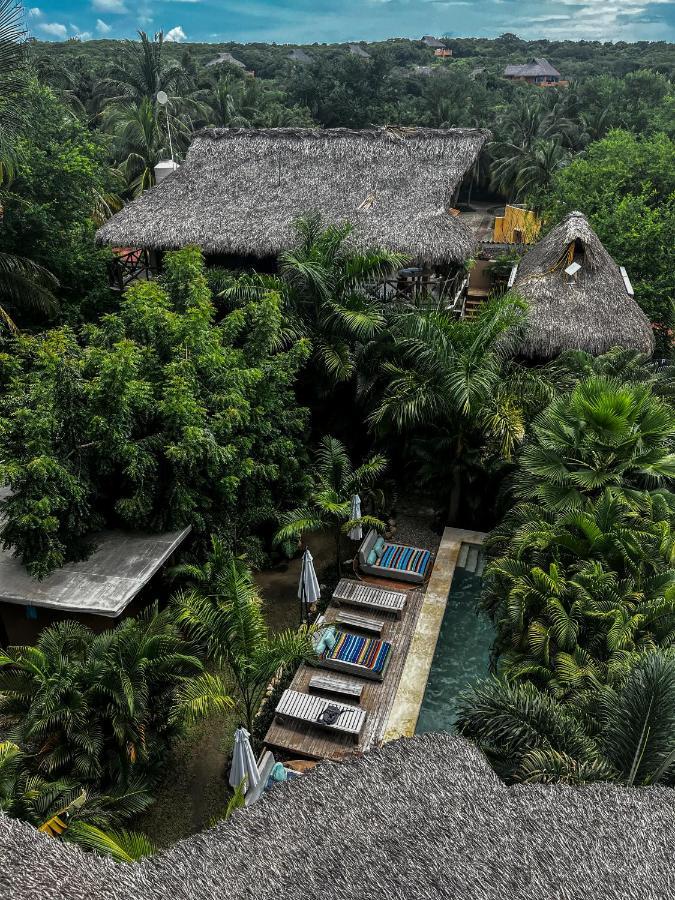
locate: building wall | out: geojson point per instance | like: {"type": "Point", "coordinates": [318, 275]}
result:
{"type": "Point", "coordinates": [516, 226]}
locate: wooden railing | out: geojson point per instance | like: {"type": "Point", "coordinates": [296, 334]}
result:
{"type": "Point", "coordinates": [423, 290]}
{"type": "Point", "coordinates": [130, 265]}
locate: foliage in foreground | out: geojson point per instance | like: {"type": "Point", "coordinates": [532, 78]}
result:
{"type": "Point", "coordinates": [89, 719]}
{"type": "Point", "coordinates": [624, 732]}
{"type": "Point", "coordinates": [223, 616]}
{"type": "Point", "coordinates": [328, 506]}
{"type": "Point", "coordinates": [156, 418]}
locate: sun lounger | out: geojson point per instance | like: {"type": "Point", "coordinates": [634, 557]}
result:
{"type": "Point", "coordinates": [367, 596]}
{"type": "Point", "coordinates": [342, 687]}
{"type": "Point", "coordinates": [354, 654]}
{"type": "Point", "coordinates": [359, 623]}
{"type": "Point", "coordinates": [395, 561]}
{"type": "Point", "coordinates": [306, 708]}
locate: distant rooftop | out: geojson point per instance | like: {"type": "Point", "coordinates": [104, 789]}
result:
{"type": "Point", "coordinates": [299, 55]}
{"type": "Point", "coordinates": [103, 585]}
{"type": "Point", "coordinates": [226, 58]}
{"type": "Point", "coordinates": [434, 42]}
{"type": "Point", "coordinates": [357, 50]}
{"type": "Point", "coordinates": [537, 67]}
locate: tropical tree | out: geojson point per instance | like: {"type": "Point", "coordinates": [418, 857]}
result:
{"type": "Point", "coordinates": [604, 434]}
{"type": "Point", "coordinates": [227, 623]}
{"type": "Point", "coordinates": [100, 708]}
{"type": "Point", "coordinates": [69, 812]}
{"type": "Point", "coordinates": [23, 284]}
{"type": "Point", "coordinates": [322, 282]}
{"type": "Point", "coordinates": [623, 733]}
{"type": "Point", "coordinates": [328, 507]}
{"type": "Point", "coordinates": [446, 379]}
{"type": "Point", "coordinates": [141, 140]}
{"type": "Point", "coordinates": [142, 70]}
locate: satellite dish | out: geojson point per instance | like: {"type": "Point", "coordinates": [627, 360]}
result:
{"type": "Point", "coordinates": [162, 98]}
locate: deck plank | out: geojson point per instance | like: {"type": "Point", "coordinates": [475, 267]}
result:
{"type": "Point", "coordinates": [304, 740]}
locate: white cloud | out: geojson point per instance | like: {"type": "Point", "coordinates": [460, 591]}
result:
{"type": "Point", "coordinates": [176, 35]}
{"type": "Point", "coordinates": [83, 36]}
{"type": "Point", "coordinates": [110, 6]}
{"type": "Point", "coordinates": [103, 27]}
{"type": "Point", "coordinates": [34, 12]}
{"type": "Point", "coordinates": [54, 29]}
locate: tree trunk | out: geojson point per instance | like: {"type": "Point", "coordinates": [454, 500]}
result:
{"type": "Point", "coordinates": [455, 495]}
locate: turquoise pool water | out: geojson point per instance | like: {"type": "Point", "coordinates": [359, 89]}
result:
{"type": "Point", "coordinates": [462, 654]}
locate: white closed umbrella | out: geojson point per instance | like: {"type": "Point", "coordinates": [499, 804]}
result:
{"type": "Point", "coordinates": [356, 532]}
{"type": "Point", "coordinates": [244, 767]}
{"type": "Point", "coordinates": [308, 589]}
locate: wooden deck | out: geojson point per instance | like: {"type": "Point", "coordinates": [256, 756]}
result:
{"type": "Point", "coordinates": [304, 740]}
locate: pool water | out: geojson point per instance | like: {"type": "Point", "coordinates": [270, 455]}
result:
{"type": "Point", "coordinates": [462, 653]}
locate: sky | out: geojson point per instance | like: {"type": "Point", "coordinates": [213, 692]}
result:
{"type": "Point", "coordinates": [309, 21]}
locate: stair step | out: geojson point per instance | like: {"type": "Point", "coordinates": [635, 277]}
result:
{"type": "Point", "coordinates": [463, 553]}
{"type": "Point", "coordinates": [481, 565]}
{"type": "Point", "coordinates": [472, 559]}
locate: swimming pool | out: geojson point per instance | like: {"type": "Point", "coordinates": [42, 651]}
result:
{"type": "Point", "coordinates": [462, 653]}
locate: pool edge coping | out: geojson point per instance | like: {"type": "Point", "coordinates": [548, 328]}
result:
{"type": "Point", "coordinates": [405, 710]}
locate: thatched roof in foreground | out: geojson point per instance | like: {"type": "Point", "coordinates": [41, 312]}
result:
{"type": "Point", "coordinates": [239, 191]}
{"type": "Point", "coordinates": [422, 818]}
{"type": "Point", "coordinates": [594, 314]}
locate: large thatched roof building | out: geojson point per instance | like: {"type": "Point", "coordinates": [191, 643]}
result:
{"type": "Point", "coordinates": [239, 191]}
{"type": "Point", "coordinates": [423, 818]}
{"type": "Point", "coordinates": [579, 298]}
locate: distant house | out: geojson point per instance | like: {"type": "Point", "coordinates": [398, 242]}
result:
{"type": "Point", "coordinates": [578, 297]}
{"type": "Point", "coordinates": [357, 50]}
{"type": "Point", "coordinates": [440, 49]}
{"type": "Point", "coordinates": [227, 58]}
{"type": "Point", "coordinates": [93, 591]}
{"type": "Point", "coordinates": [299, 55]}
{"type": "Point", "coordinates": [537, 71]}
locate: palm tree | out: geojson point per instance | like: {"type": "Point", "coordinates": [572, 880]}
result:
{"type": "Point", "coordinates": [141, 140]}
{"type": "Point", "coordinates": [604, 434]}
{"type": "Point", "coordinates": [142, 70]}
{"type": "Point", "coordinates": [328, 507]}
{"type": "Point", "coordinates": [323, 283]}
{"type": "Point", "coordinates": [623, 733]}
{"type": "Point", "coordinates": [70, 813]}
{"type": "Point", "coordinates": [229, 626]}
{"type": "Point", "coordinates": [448, 378]}
{"type": "Point", "coordinates": [23, 284]}
{"type": "Point", "coordinates": [96, 707]}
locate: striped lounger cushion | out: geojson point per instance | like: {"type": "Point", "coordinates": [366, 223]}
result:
{"type": "Point", "coordinates": [370, 653]}
{"type": "Point", "coordinates": [404, 559]}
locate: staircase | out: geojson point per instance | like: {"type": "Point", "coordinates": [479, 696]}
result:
{"type": "Point", "coordinates": [471, 558]}
{"type": "Point", "coordinates": [473, 303]}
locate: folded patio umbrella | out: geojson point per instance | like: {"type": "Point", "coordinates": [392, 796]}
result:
{"type": "Point", "coordinates": [308, 589]}
{"type": "Point", "coordinates": [244, 765]}
{"type": "Point", "coordinates": [356, 532]}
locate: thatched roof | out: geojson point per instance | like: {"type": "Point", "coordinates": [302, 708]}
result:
{"type": "Point", "coordinates": [226, 58]}
{"type": "Point", "coordinates": [299, 55]}
{"type": "Point", "coordinates": [535, 67]}
{"type": "Point", "coordinates": [357, 50]}
{"type": "Point", "coordinates": [434, 42]}
{"type": "Point", "coordinates": [595, 313]}
{"type": "Point", "coordinates": [240, 190]}
{"type": "Point", "coordinates": [422, 818]}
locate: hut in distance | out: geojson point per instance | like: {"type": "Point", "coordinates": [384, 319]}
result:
{"type": "Point", "coordinates": [578, 297]}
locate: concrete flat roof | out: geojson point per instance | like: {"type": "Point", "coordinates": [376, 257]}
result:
{"type": "Point", "coordinates": [103, 585]}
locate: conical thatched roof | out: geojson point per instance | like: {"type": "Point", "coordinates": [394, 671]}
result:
{"type": "Point", "coordinates": [239, 191]}
{"type": "Point", "coordinates": [418, 820]}
{"type": "Point", "coordinates": [594, 313]}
